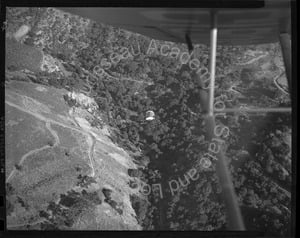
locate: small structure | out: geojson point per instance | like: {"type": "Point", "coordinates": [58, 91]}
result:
{"type": "Point", "coordinates": [82, 100]}
{"type": "Point", "coordinates": [150, 116]}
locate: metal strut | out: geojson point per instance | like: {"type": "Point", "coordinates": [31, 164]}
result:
{"type": "Point", "coordinates": [234, 217]}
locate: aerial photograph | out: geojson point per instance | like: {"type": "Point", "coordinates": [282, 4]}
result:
{"type": "Point", "coordinates": [153, 119]}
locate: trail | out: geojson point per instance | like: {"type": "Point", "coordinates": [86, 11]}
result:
{"type": "Point", "coordinates": [91, 153]}
{"type": "Point", "coordinates": [12, 173]}
{"type": "Point", "coordinates": [41, 117]}
{"type": "Point", "coordinates": [91, 142]}
{"type": "Point", "coordinates": [54, 134]}
{"type": "Point", "coordinates": [113, 77]}
{"type": "Point", "coordinates": [278, 85]}
{"type": "Point", "coordinates": [57, 141]}
{"type": "Point", "coordinates": [252, 60]}
{"type": "Point", "coordinates": [48, 121]}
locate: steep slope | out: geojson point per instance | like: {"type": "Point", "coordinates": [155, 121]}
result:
{"type": "Point", "coordinates": [61, 167]}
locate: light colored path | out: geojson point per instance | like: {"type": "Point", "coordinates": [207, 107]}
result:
{"type": "Point", "coordinates": [54, 134]}
{"type": "Point", "coordinates": [278, 85]}
{"type": "Point", "coordinates": [253, 60]}
{"type": "Point", "coordinates": [13, 172]}
{"type": "Point", "coordinates": [90, 141]}
{"type": "Point", "coordinates": [42, 118]}
{"type": "Point", "coordinates": [25, 156]}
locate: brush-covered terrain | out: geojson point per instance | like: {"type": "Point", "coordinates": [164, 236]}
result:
{"type": "Point", "coordinates": [71, 165]}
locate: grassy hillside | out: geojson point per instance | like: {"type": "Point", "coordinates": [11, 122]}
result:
{"type": "Point", "coordinates": [49, 156]}
{"type": "Point", "coordinates": [31, 134]}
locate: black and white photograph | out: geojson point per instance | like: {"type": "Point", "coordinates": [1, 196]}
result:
{"type": "Point", "coordinates": [149, 118]}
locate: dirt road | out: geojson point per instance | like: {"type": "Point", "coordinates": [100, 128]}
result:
{"type": "Point", "coordinates": [91, 139]}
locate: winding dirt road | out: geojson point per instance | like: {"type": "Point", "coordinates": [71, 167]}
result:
{"type": "Point", "coordinates": [25, 156]}
{"type": "Point", "coordinates": [91, 153]}
{"type": "Point", "coordinates": [91, 139]}
{"type": "Point", "coordinates": [91, 142]}
{"type": "Point", "coordinates": [278, 84]}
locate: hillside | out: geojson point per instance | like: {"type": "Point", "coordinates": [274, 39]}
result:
{"type": "Point", "coordinates": [57, 165]}
{"type": "Point", "coordinates": [65, 158]}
